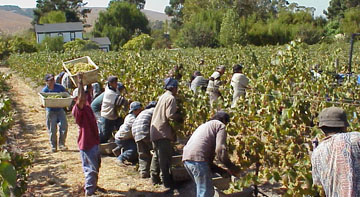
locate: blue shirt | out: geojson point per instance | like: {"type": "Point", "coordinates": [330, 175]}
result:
{"type": "Point", "coordinates": [57, 88]}
{"type": "Point", "coordinates": [97, 102]}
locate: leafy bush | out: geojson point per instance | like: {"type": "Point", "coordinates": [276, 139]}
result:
{"type": "Point", "coordinates": [4, 49]}
{"type": "Point", "coordinates": [141, 42]}
{"type": "Point", "coordinates": [13, 166]}
{"type": "Point", "coordinates": [202, 30]}
{"type": "Point", "coordinates": [351, 22]}
{"type": "Point", "coordinates": [233, 29]}
{"type": "Point", "coordinates": [53, 17]}
{"type": "Point", "coordinates": [20, 45]}
{"type": "Point", "coordinates": [119, 23]}
{"type": "Point", "coordinates": [80, 45]}
{"type": "Point", "coordinates": [308, 33]}
{"type": "Point", "coordinates": [332, 28]}
{"type": "Point", "coordinates": [52, 44]}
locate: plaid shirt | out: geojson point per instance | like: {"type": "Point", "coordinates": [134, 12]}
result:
{"type": "Point", "coordinates": [336, 165]}
{"type": "Point", "coordinates": [141, 125]}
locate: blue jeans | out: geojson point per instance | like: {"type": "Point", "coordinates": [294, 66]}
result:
{"type": "Point", "coordinates": [52, 120]}
{"type": "Point", "coordinates": [107, 128]}
{"type": "Point", "coordinates": [129, 150]}
{"type": "Point", "coordinates": [91, 161]}
{"type": "Point", "coordinates": [200, 172]}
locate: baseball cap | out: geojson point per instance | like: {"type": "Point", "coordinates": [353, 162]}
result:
{"type": "Point", "coordinates": [112, 79]}
{"type": "Point", "coordinates": [220, 67]}
{"type": "Point", "coordinates": [120, 86]}
{"type": "Point", "coordinates": [49, 77]}
{"type": "Point", "coordinates": [333, 117]}
{"type": "Point", "coordinates": [170, 83]}
{"type": "Point", "coordinates": [134, 106]}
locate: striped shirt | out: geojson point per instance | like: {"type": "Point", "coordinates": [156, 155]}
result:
{"type": "Point", "coordinates": [111, 102]}
{"type": "Point", "coordinates": [199, 81]}
{"type": "Point", "coordinates": [336, 165]}
{"type": "Point", "coordinates": [141, 125]}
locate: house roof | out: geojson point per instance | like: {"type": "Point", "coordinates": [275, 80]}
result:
{"type": "Point", "coordinates": [101, 40]}
{"type": "Point", "coordinates": [59, 27]}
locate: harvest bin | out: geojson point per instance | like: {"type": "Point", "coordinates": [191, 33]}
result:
{"type": "Point", "coordinates": [89, 76]}
{"type": "Point", "coordinates": [56, 102]}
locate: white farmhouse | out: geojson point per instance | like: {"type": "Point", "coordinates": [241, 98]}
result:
{"type": "Point", "coordinates": [69, 31]}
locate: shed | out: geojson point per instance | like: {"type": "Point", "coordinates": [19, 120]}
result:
{"type": "Point", "coordinates": [103, 42]}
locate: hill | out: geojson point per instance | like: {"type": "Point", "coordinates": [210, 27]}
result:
{"type": "Point", "coordinates": [11, 22]}
{"type": "Point", "coordinates": [16, 9]}
{"type": "Point", "coordinates": [14, 18]}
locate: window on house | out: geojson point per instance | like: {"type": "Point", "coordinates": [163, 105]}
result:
{"type": "Point", "coordinates": [72, 36]}
{"type": "Point", "coordinates": [60, 34]}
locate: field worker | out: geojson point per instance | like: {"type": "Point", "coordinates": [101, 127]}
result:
{"type": "Point", "coordinates": [97, 102]}
{"type": "Point", "coordinates": [97, 90]}
{"type": "Point", "coordinates": [199, 82]}
{"type": "Point", "coordinates": [175, 72]}
{"type": "Point", "coordinates": [141, 133]}
{"type": "Point", "coordinates": [112, 101]}
{"type": "Point", "coordinates": [124, 138]}
{"type": "Point", "coordinates": [88, 139]}
{"type": "Point", "coordinates": [214, 84]}
{"type": "Point", "coordinates": [239, 82]}
{"type": "Point", "coordinates": [66, 81]}
{"type": "Point", "coordinates": [55, 116]}
{"type": "Point", "coordinates": [162, 135]}
{"type": "Point", "coordinates": [208, 140]}
{"type": "Point", "coordinates": [336, 160]}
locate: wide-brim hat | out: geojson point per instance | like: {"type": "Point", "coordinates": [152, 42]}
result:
{"type": "Point", "coordinates": [333, 117]}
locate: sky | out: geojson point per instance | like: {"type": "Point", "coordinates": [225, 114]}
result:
{"type": "Point", "coordinates": [159, 5]}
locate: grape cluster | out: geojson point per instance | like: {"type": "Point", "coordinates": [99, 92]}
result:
{"type": "Point", "coordinates": [80, 67]}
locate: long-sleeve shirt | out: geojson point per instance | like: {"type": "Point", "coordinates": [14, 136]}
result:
{"type": "Point", "coordinates": [214, 85]}
{"type": "Point", "coordinates": [208, 140]}
{"type": "Point", "coordinates": [199, 81]}
{"type": "Point", "coordinates": [141, 125]}
{"type": "Point", "coordinates": [336, 165]}
{"type": "Point", "coordinates": [88, 130]}
{"type": "Point", "coordinates": [165, 109]}
{"type": "Point", "coordinates": [111, 101]}
{"type": "Point", "coordinates": [124, 132]}
{"type": "Point", "coordinates": [239, 82]}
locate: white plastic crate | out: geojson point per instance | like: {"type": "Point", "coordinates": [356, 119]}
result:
{"type": "Point", "coordinates": [56, 102]}
{"type": "Point", "coordinates": [89, 76]}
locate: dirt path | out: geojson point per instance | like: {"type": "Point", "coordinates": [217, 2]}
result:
{"type": "Point", "coordinates": [60, 173]}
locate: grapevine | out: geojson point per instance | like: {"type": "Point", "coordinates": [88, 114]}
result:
{"type": "Point", "coordinates": [272, 127]}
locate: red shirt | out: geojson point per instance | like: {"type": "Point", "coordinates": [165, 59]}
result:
{"type": "Point", "coordinates": [88, 130]}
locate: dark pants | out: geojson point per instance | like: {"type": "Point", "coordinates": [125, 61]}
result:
{"type": "Point", "coordinates": [129, 150]}
{"type": "Point", "coordinates": [161, 162]}
{"type": "Point", "coordinates": [108, 126]}
{"type": "Point", "coordinates": [144, 146]}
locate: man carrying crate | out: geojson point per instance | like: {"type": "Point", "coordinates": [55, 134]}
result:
{"type": "Point", "coordinates": [88, 140]}
{"type": "Point", "coordinates": [55, 116]}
